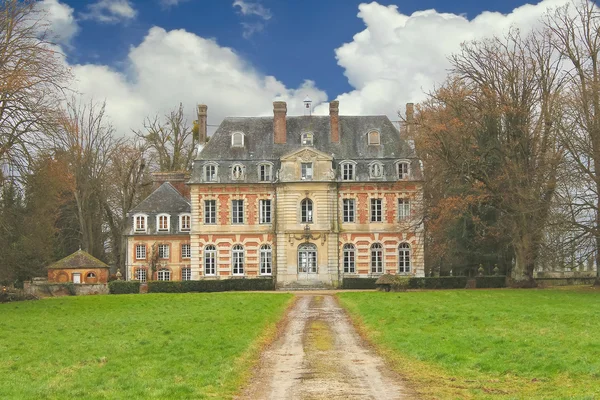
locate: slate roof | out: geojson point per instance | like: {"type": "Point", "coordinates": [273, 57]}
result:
{"type": "Point", "coordinates": [78, 260]}
{"type": "Point", "coordinates": [165, 199]}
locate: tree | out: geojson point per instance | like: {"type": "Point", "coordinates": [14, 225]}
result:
{"type": "Point", "coordinates": [32, 80]}
{"type": "Point", "coordinates": [170, 143]}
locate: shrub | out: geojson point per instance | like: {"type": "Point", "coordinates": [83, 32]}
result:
{"type": "Point", "coordinates": [442, 282]}
{"type": "Point", "coordinates": [123, 287]}
{"type": "Point", "coordinates": [7, 296]}
{"type": "Point", "coordinates": [482, 282]}
{"type": "Point", "coordinates": [396, 283]}
{"type": "Point", "coordinates": [223, 285]}
{"type": "Point", "coordinates": [359, 283]}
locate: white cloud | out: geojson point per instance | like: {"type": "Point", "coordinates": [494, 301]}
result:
{"type": "Point", "coordinates": [110, 11]}
{"type": "Point", "coordinates": [250, 8]}
{"type": "Point", "coordinates": [60, 19]}
{"type": "Point", "coordinates": [171, 3]}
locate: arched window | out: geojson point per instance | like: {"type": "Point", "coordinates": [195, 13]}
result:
{"type": "Point", "coordinates": [307, 259]}
{"type": "Point", "coordinates": [265, 172]}
{"type": "Point", "coordinates": [266, 260]}
{"type": "Point", "coordinates": [404, 258]}
{"type": "Point", "coordinates": [376, 258]}
{"type": "Point", "coordinates": [139, 223]}
{"type": "Point", "coordinates": [237, 139]}
{"type": "Point", "coordinates": [185, 222]}
{"type": "Point", "coordinates": [307, 139]}
{"type": "Point", "coordinates": [210, 173]}
{"type": "Point", "coordinates": [237, 259]}
{"type": "Point", "coordinates": [373, 138]}
{"type": "Point", "coordinates": [163, 222]}
{"type": "Point", "coordinates": [164, 275]}
{"type": "Point", "coordinates": [376, 170]}
{"type": "Point", "coordinates": [348, 171]}
{"type": "Point", "coordinates": [237, 172]}
{"type": "Point", "coordinates": [91, 275]}
{"type": "Point", "coordinates": [402, 170]}
{"type": "Point", "coordinates": [306, 210]}
{"type": "Point", "coordinates": [349, 258]}
{"type": "Point", "coordinates": [210, 260]}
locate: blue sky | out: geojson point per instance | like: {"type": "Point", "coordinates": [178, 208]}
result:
{"type": "Point", "coordinates": [143, 57]}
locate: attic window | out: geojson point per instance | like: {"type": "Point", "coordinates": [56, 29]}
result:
{"type": "Point", "coordinates": [237, 139]}
{"type": "Point", "coordinates": [237, 172]}
{"type": "Point", "coordinates": [373, 138]}
{"type": "Point", "coordinates": [307, 139]}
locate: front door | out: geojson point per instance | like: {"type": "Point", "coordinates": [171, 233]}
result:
{"type": "Point", "coordinates": [76, 278]}
{"type": "Point", "coordinates": [307, 261]}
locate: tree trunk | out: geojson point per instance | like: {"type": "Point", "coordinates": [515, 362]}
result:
{"type": "Point", "coordinates": [522, 272]}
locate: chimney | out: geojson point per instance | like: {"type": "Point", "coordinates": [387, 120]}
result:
{"type": "Point", "coordinates": [176, 178]}
{"type": "Point", "coordinates": [410, 119]}
{"type": "Point", "coordinates": [334, 119]}
{"type": "Point", "coordinates": [279, 122]}
{"type": "Point", "coordinates": [202, 135]}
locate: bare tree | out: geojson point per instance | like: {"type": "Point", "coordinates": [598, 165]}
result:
{"type": "Point", "coordinates": [32, 80]}
{"type": "Point", "coordinates": [170, 142]}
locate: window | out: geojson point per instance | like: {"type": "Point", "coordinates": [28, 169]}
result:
{"type": "Point", "coordinates": [307, 139]}
{"type": "Point", "coordinates": [140, 223]}
{"type": "Point", "coordinates": [140, 274]}
{"type": "Point", "coordinates": [186, 274]}
{"type": "Point", "coordinates": [162, 222]}
{"type": "Point", "coordinates": [376, 170]}
{"type": "Point", "coordinates": [264, 211]}
{"type": "Point", "coordinates": [185, 222]}
{"type": "Point", "coordinates": [186, 251]}
{"type": "Point", "coordinates": [163, 251]}
{"type": "Point", "coordinates": [140, 252]}
{"type": "Point", "coordinates": [402, 170]}
{"type": "Point", "coordinates": [237, 211]}
{"type": "Point", "coordinates": [307, 259]}
{"type": "Point", "coordinates": [348, 210]}
{"type": "Point", "coordinates": [266, 260]}
{"type": "Point", "coordinates": [210, 173]}
{"type": "Point", "coordinates": [403, 209]}
{"type": "Point", "coordinates": [237, 259]}
{"type": "Point", "coordinates": [376, 210]}
{"type": "Point", "coordinates": [347, 171]}
{"type": "Point", "coordinates": [237, 139]}
{"type": "Point", "coordinates": [404, 258]}
{"type": "Point", "coordinates": [374, 138]}
{"type": "Point", "coordinates": [164, 275]}
{"type": "Point", "coordinates": [306, 170]}
{"type": "Point", "coordinates": [237, 172]}
{"type": "Point", "coordinates": [265, 172]}
{"type": "Point", "coordinates": [210, 260]}
{"type": "Point", "coordinates": [210, 211]}
{"type": "Point", "coordinates": [349, 259]}
{"type": "Point", "coordinates": [306, 210]}
{"type": "Point", "coordinates": [91, 275]}
{"type": "Point", "coordinates": [376, 258]}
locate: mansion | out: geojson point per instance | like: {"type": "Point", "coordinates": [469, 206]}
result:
{"type": "Point", "coordinates": [305, 199]}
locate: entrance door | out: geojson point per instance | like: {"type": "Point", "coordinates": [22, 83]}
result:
{"type": "Point", "coordinates": [76, 278]}
{"type": "Point", "coordinates": [307, 261]}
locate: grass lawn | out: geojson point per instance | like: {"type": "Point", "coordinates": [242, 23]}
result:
{"type": "Point", "coordinates": [160, 346]}
{"type": "Point", "coordinates": [513, 344]}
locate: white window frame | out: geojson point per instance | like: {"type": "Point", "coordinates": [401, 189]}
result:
{"type": "Point", "coordinates": [158, 228]}
{"type": "Point", "coordinates": [238, 172]}
{"type": "Point", "coordinates": [144, 218]}
{"type": "Point", "coordinates": [237, 214]}
{"type": "Point", "coordinates": [402, 175]}
{"type": "Point", "coordinates": [141, 274]}
{"type": "Point", "coordinates": [186, 274]}
{"type": "Point", "coordinates": [403, 209]}
{"type": "Point", "coordinates": [265, 211]}
{"type": "Point", "coordinates": [138, 251]}
{"type": "Point", "coordinates": [376, 264]}
{"type": "Point", "coordinates": [348, 171]}
{"type": "Point", "coordinates": [370, 137]}
{"type": "Point", "coordinates": [165, 253]}
{"type": "Point", "coordinates": [210, 260]}
{"type": "Point", "coordinates": [239, 135]}
{"type": "Point", "coordinates": [266, 260]}
{"type": "Point", "coordinates": [376, 170]}
{"type": "Point", "coordinates": [305, 168]}
{"type": "Point", "coordinates": [214, 175]}
{"type": "Point", "coordinates": [181, 222]}
{"type": "Point", "coordinates": [237, 260]}
{"type": "Point", "coordinates": [348, 213]}
{"type": "Point", "coordinates": [210, 212]}
{"type": "Point", "coordinates": [163, 274]}
{"type": "Point", "coordinates": [307, 208]}
{"type": "Point", "coordinates": [188, 252]}
{"type": "Point", "coordinates": [404, 258]}
{"type": "Point", "coordinates": [265, 175]}
{"type": "Point", "coordinates": [349, 258]}
{"type": "Point", "coordinates": [376, 210]}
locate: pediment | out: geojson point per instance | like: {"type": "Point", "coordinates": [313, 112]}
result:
{"type": "Point", "coordinates": [306, 154]}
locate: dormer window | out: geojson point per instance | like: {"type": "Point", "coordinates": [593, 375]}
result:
{"type": "Point", "coordinates": [373, 138]}
{"type": "Point", "coordinates": [265, 172]}
{"type": "Point", "coordinates": [210, 173]}
{"type": "Point", "coordinates": [163, 222]}
{"type": "Point", "coordinates": [140, 223]}
{"type": "Point", "coordinates": [376, 170]}
{"type": "Point", "coordinates": [348, 171]}
{"type": "Point", "coordinates": [402, 170]}
{"type": "Point", "coordinates": [307, 139]}
{"type": "Point", "coordinates": [306, 171]}
{"type": "Point", "coordinates": [185, 222]}
{"type": "Point", "coordinates": [237, 172]}
{"type": "Point", "coordinates": [237, 139]}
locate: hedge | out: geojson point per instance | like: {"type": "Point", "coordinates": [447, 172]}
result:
{"type": "Point", "coordinates": [483, 282]}
{"type": "Point", "coordinates": [123, 287]}
{"type": "Point", "coordinates": [441, 282]}
{"type": "Point", "coordinates": [359, 283]}
{"type": "Point", "coordinates": [223, 285]}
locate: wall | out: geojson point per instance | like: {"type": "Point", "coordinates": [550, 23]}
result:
{"type": "Point", "coordinates": [66, 275]}
{"type": "Point", "coordinates": [174, 263]}
{"type": "Point", "coordinates": [45, 289]}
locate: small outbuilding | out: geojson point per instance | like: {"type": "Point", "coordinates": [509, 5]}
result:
{"type": "Point", "coordinates": [79, 267]}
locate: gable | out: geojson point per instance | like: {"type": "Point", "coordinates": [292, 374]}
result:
{"type": "Point", "coordinates": [306, 154]}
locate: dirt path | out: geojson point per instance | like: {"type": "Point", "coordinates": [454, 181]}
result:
{"type": "Point", "coordinates": [320, 356]}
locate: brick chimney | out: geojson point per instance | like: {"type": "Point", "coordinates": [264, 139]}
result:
{"type": "Point", "coordinates": [178, 179]}
{"type": "Point", "coordinates": [279, 122]}
{"type": "Point", "coordinates": [202, 133]}
{"type": "Point", "coordinates": [334, 120]}
{"type": "Point", "coordinates": [410, 119]}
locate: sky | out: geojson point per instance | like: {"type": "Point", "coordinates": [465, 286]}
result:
{"type": "Point", "coordinates": [144, 57]}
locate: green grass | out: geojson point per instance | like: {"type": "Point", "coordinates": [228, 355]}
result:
{"type": "Point", "coordinates": [160, 346]}
{"type": "Point", "coordinates": [519, 344]}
